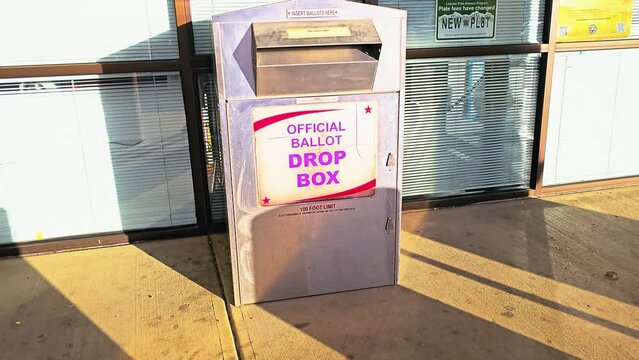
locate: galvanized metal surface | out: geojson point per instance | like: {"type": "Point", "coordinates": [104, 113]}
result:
{"type": "Point", "coordinates": [315, 70]}
{"type": "Point", "coordinates": [322, 56]}
{"type": "Point", "coordinates": [273, 256]}
{"type": "Point", "coordinates": [318, 32]}
{"type": "Point", "coordinates": [235, 64]}
{"type": "Point", "coordinates": [315, 56]}
{"type": "Point", "coordinates": [281, 256]}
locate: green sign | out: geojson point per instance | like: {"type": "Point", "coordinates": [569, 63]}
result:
{"type": "Point", "coordinates": [466, 19]}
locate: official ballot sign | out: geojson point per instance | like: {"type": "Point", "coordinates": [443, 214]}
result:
{"type": "Point", "coordinates": [315, 152]}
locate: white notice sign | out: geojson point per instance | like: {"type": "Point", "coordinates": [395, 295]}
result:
{"type": "Point", "coordinates": [466, 19]}
{"type": "Point", "coordinates": [315, 152]}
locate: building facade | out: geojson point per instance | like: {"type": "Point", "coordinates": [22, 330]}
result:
{"type": "Point", "coordinates": [108, 128]}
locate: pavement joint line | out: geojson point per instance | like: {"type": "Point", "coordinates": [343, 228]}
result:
{"type": "Point", "coordinates": [227, 304]}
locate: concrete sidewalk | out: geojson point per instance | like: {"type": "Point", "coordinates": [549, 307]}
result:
{"type": "Point", "coordinates": [155, 300]}
{"type": "Point", "coordinates": [529, 279]}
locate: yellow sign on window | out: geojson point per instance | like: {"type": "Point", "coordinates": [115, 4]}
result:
{"type": "Point", "coordinates": [318, 32]}
{"type": "Point", "coordinates": [590, 20]}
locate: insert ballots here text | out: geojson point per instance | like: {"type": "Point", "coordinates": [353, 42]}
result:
{"type": "Point", "coordinates": [315, 152]}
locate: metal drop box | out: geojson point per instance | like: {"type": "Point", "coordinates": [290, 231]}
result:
{"type": "Point", "coordinates": [311, 100]}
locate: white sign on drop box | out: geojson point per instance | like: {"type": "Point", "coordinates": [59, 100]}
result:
{"type": "Point", "coordinates": [315, 152]}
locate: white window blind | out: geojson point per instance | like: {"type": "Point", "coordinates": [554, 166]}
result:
{"type": "Point", "coordinates": [518, 22]}
{"type": "Point", "coordinates": [93, 154]}
{"type": "Point", "coordinates": [634, 31]}
{"type": "Point", "coordinates": [469, 124]}
{"type": "Point", "coordinates": [203, 10]}
{"type": "Point", "coordinates": [594, 119]}
{"type": "Point", "coordinates": [72, 31]}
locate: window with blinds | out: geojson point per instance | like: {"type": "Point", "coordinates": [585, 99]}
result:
{"type": "Point", "coordinates": [203, 10]}
{"type": "Point", "coordinates": [634, 31]}
{"type": "Point", "coordinates": [594, 119]}
{"type": "Point", "coordinates": [518, 22]}
{"type": "Point", "coordinates": [469, 124]}
{"type": "Point", "coordinates": [93, 154]}
{"type": "Point", "coordinates": [213, 148]}
{"type": "Point", "coordinates": [69, 31]}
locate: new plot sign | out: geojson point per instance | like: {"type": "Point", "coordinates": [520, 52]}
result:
{"type": "Point", "coordinates": [315, 152]}
{"type": "Point", "coordinates": [466, 19]}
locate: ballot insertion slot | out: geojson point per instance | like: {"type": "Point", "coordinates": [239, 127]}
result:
{"type": "Point", "coordinates": [306, 57]}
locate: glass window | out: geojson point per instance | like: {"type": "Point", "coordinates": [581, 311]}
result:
{"type": "Point", "coordinates": [634, 32]}
{"type": "Point", "coordinates": [469, 124]}
{"type": "Point", "coordinates": [203, 10]}
{"type": "Point", "coordinates": [93, 154]}
{"type": "Point", "coordinates": [593, 122]}
{"type": "Point", "coordinates": [70, 31]}
{"type": "Point", "coordinates": [518, 22]}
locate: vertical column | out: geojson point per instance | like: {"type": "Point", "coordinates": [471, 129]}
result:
{"type": "Point", "coordinates": [545, 87]}
{"type": "Point", "coordinates": [191, 107]}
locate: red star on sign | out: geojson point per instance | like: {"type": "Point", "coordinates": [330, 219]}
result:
{"type": "Point", "coordinates": [368, 109]}
{"type": "Point", "coordinates": [266, 200]}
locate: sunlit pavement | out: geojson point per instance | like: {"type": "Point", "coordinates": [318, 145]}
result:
{"type": "Point", "coordinates": [527, 279]}
{"type": "Point", "coordinates": [155, 300]}
{"type": "Point", "coordinates": [524, 279]}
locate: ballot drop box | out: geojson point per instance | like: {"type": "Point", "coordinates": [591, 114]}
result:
{"type": "Point", "coordinates": [311, 106]}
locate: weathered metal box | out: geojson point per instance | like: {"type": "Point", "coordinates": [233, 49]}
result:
{"type": "Point", "coordinates": [311, 100]}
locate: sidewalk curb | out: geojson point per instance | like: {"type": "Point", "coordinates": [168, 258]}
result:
{"type": "Point", "coordinates": [241, 338]}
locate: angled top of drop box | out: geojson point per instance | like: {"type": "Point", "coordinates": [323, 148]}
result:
{"type": "Point", "coordinates": [308, 9]}
{"type": "Point", "coordinates": [240, 35]}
